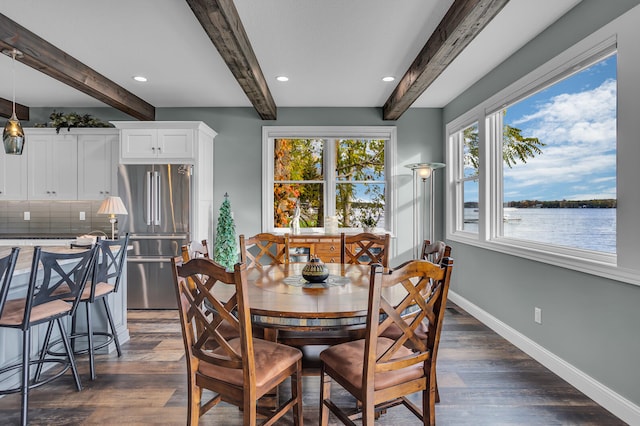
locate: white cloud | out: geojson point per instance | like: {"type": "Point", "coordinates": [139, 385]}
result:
{"type": "Point", "coordinates": [579, 130]}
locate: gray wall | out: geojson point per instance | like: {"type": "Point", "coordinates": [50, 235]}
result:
{"type": "Point", "coordinates": [591, 322]}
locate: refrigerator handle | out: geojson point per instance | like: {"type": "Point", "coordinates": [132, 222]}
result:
{"type": "Point", "coordinates": [157, 192]}
{"type": "Point", "coordinates": [148, 212]}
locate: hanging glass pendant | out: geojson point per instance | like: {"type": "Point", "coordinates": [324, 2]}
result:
{"type": "Point", "coordinates": [13, 136]}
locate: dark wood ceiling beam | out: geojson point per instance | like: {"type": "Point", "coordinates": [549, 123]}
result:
{"type": "Point", "coordinates": [48, 59]}
{"type": "Point", "coordinates": [462, 22]}
{"type": "Point", "coordinates": [6, 109]}
{"type": "Point", "coordinates": [221, 22]}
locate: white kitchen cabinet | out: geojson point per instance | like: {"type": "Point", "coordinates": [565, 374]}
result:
{"type": "Point", "coordinates": [176, 142]}
{"type": "Point", "coordinates": [13, 176]}
{"type": "Point", "coordinates": [97, 158]}
{"type": "Point", "coordinates": [53, 166]}
{"type": "Point", "coordinates": [157, 144]}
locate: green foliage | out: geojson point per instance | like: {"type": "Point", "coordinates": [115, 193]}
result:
{"type": "Point", "coordinates": [226, 248]}
{"type": "Point", "coordinates": [72, 119]}
{"type": "Point", "coordinates": [515, 147]}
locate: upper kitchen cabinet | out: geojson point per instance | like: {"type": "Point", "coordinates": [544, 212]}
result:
{"type": "Point", "coordinates": [53, 165]}
{"type": "Point", "coordinates": [171, 142]}
{"type": "Point", "coordinates": [97, 160]}
{"type": "Point", "coordinates": [13, 176]}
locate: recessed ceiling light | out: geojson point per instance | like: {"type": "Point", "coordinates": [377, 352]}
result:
{"type": "Point", "coordinates": [140, 78]}
{"type": "Point", "coordinates": [282, 78]}
{"type": "Point", "coordinates": [388, 78]}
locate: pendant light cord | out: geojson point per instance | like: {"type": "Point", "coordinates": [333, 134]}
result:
{"type": "Point", "coordinates": [13, 67]}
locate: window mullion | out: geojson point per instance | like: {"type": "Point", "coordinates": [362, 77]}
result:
{"type": "Point", "coordinates": [330, 162]}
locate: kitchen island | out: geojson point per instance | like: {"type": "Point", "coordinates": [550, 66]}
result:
{"type": "Point", "coordinates": [11, 340]}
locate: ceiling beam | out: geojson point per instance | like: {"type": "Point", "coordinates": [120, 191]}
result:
{"type": "Point", "coordinates": [462, 22]}
{"type": "Point", "coordinates": [48, 59]}
{"type": "Point", "coordinates": [221, 22]}
{"type": "Point", "coordinates": [6, 109]}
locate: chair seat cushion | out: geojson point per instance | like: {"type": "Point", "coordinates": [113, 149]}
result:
{"type": "Point", "coordinates": [102, 288]}
{"type": "Point", "coordinates": [347, 359]}
{"type": "Point", "coordinates": [270, 360]}
{"type": "Point", "coordinates": [13, 312]}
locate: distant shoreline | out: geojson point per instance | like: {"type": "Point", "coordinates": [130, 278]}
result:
{"type": "Point", "coordinates": [557, 204]}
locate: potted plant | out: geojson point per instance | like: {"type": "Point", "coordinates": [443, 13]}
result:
{"type": "Point", "coordinates": [368, 221]}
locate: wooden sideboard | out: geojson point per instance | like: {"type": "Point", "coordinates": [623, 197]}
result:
{"type": "Point", "coordinates": [326, 247]}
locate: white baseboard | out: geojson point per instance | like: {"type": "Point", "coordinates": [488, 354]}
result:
{"type": "Point", "coordinates": [607, 398]}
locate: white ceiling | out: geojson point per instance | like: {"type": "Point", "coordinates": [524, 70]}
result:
{"type": "Point", "coordinates": [335, 52]}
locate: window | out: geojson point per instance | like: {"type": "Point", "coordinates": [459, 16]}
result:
{"type": "Point", "coordinates": [465, 144]}
{"type": "Point", "coordinates": [559, 161]}
{"type": "Point", "coordinates": [315, 172]}
{"type": "Point", "coordinates": [533, 169]}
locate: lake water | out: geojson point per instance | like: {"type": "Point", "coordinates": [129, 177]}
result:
{"type": "Point", "coordinates": [590, 229]}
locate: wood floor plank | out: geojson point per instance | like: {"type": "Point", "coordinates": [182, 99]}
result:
{"type": "Point", "coordinates": [483, 380]}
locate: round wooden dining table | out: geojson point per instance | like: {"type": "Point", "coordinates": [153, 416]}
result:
{"type": "Point", "coordinates": [279, 298]}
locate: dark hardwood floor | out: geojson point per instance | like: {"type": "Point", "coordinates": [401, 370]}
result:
{"type": "Point", "coordinates": [483, 380]}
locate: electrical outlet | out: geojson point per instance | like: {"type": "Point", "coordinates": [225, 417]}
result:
{"type": "Point", "coordinates": [537, 315]}
{"type": "Point", "coordinates": [82, 216]}
{"type": "Point", "coordinates": [27, 215]}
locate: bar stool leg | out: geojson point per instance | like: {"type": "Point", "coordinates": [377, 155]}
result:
{"type": "Point", "coordinates": [112, 325]}
{"type": "Point", "coordinates": [26, 349]}
{"type": "Point", "coordinates": [72, 361]}
{"type": "Point", "coordinates": [92, 369]}
{"type": "Point", "coordinates": [43, 354]}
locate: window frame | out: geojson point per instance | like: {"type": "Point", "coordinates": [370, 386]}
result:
{"type": "Point", "coordinates": [388, 133]}
{"type": "Point", "coordinates": [490, 225]}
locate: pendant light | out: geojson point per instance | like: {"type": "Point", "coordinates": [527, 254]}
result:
{"type": "Point", "coordinates": [13, 135]}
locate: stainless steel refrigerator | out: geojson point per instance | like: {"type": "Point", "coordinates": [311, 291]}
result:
{"type": "Point", "coordinates": [158, 199]}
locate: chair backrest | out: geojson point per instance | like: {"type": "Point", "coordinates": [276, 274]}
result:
{"type": "Point", "coordinates": [427, 286]}
{"type": "Point", "coordinates": [205, 249]}
{"type": "Point", "coordinates": [58, 276]}
{"type": "Point", "coordinates": [110, 261]}
{"type": "Point", "coordinates": [202, 315]}
{"type": "Point", "coordinates": [7, 266]}
{"type": "Point", "coordinates": [435, 252]}
{"type": "Point", "coordinates": [264, 249]}
{"type": "Point", "coordinates": [365, 249]}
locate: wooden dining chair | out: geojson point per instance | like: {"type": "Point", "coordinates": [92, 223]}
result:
{"type": "Point", "coordinates": [365, 249]}
{"type": "Point", "coordinates": [54, 277]}
{"type": "Point", "coordinates": [434, 252]}
{"type": "Point", "coordinates": [264, 249]}
{"type": "Point", "coordinates": [381, 372]}
{"type": "Point", "coordinates": [239, 370]}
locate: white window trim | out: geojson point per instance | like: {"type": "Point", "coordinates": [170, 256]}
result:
{"type": "Point", "coordinates": [388, 133]}
{"type": "Point", "coordinates": [600, 264]}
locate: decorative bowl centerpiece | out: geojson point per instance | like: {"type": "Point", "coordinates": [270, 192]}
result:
{"type": "Point", "coordinates": [315, 271]}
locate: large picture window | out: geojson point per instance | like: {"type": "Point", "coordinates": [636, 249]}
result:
{"type": "Point", "coordinates": [316, 173]}
{"type": "Point", "coordinates": [540, 172]}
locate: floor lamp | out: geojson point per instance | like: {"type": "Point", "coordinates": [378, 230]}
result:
{"type": "Point", "coordinates": [422, 173]}
{"type": "Point", "coordinates": [112, 206]}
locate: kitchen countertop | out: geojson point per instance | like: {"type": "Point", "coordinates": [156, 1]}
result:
{"type": "Point", "coordinates": [25, 257]}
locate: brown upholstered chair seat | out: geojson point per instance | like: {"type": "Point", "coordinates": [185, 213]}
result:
{"type": "Point", "coordinates": [270, 359]}
{"type": "Point", "coordinates": [13, 312]}
{"type": "Point", "coordinates": [347, 359]}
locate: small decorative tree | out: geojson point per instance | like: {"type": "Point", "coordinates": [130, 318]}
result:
{"type": "Point", "coordinates": [226, 248]}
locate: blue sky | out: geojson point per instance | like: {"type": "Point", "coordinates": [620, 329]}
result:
{"type": "Point", "coordinates": [576, 119]}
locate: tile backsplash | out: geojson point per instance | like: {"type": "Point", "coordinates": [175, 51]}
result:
{"type": "Point", "coordinates": [55, 218]}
